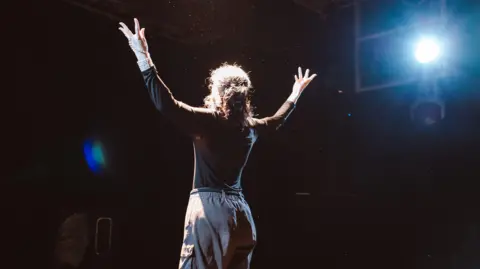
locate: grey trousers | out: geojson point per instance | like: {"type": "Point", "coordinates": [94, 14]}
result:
{"type": "Point", "coordinates": [219, 231]}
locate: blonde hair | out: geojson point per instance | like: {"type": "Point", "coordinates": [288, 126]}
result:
{"type": "Point", "coordinates": [230, 89]}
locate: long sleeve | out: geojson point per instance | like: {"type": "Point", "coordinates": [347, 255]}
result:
{"type": "Point", "coordinates": [274, 122]}
{"type": "Point", "coordinates": [183, 115]}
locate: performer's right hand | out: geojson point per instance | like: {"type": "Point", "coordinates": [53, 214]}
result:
{"type": "Point", "coordinates": [137, 41]}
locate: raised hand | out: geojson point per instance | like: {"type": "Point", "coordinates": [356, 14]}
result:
{"type": "Point", "coordinates": [302, 81]}
{"type": "Point", "coordinates": [137, 41]}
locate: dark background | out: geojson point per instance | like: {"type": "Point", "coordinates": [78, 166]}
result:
{"type": "Point", "coordinates": [384, 192]}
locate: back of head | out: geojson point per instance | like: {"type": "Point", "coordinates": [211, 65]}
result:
{"type": "Point", "coordinates": [230, 89]}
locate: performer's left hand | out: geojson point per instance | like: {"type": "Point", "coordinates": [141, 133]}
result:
{"type": "Point", "coordinates": [137, 41]}
{"type": "Point", "coordinates": [302, 81]}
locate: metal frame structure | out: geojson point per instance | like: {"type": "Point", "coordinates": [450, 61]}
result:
{"type": "Point", "coordinates": [359, 39]}
{"type": "Point", "coordinates": [110, 222]}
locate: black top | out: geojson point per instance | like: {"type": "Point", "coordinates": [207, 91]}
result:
{"type": "Point", "coordinates": [221, 146]}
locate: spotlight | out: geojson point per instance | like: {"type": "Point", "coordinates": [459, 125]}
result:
{"type": "Point", "coordinates": [427, 51]}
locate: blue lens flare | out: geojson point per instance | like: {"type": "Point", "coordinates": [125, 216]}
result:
{"type": "Point", "coordinates": [94, 155]}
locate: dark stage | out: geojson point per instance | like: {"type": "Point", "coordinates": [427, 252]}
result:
{"type": "Point", "coordinates": [348, 182]}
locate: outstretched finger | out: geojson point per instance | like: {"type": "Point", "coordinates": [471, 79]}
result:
{"type": "Point", "coordinates": [137, 26]}
{"type": "Point", "coordinates": [312, 76]}
{"type": "Point", "coordinates": [125, 30]}
{"type": "Point", "coordinates": [306, 73]}
{"type": "Point", "coordinates": [142, 33]}
{"type": "Point", "coordinates": [296, 78]}
{"type": "Point", "coordinates": [300, 76]}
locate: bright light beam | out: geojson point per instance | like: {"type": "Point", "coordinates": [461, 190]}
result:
{"type": "Point", "coordinates": [427, 51]}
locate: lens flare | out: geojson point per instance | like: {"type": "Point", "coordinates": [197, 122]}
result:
{"type": "Point", "coordinates": [94, 155]}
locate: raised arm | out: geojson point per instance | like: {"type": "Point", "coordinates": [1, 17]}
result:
{"type": "Point", "coordinates": [186, 116]}
{"type": "Point", "coordinates": [276, 121]}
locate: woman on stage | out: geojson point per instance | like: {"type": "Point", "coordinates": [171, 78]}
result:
{"type": "Point", "coordinates": [219, 228]}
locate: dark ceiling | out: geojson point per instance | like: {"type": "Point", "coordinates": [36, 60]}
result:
{"type": "Point", "coordinates": [202, 22]}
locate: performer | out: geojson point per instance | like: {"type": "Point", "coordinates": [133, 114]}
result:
{"type": "Point", "coordinates": [219, 228]}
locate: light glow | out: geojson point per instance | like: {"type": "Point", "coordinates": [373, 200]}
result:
{"type": "Point", "coordinates": [427, 51]}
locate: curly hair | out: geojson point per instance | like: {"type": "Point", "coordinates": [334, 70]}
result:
{"type": "Point", "coordinates": [230, 89]}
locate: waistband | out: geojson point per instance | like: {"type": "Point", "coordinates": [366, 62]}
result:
{"type": "Point", "coordinates": [225, 191]}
